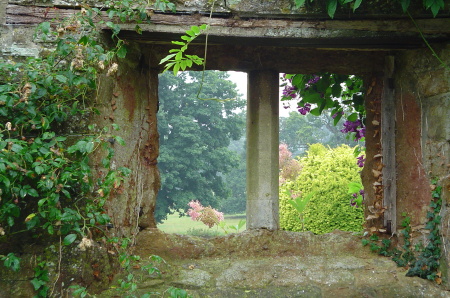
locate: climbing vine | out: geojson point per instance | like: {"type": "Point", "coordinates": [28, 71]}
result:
{"type": "Point", "coordinates": [422, 260]}
{"type": "Point", "coordinates": [47, 186]}
{"type": "Point", "coordinates": [331, 5]}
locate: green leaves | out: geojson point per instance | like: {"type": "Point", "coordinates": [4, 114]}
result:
{"type": "Point", "coordinates": [324, 180]}
{"type": "Point", "coordinates": [434, 6]}
{"type": "Point", "coordinates": [69, 239]}
{"type": "Point", "coordinates": [300, 203]}
{"type": "Point", "coordinates": [299, 3]}
{"type": "Point", "coordinates": [122, 51]}
{"type": "Point", "coordinates": [356, 4]}
{"type": "Point", "coordinates": [11, 261]}
{"type": "Point", "coordinates": [331, 7]}
{"type": "Point", "coordinates": [177, 60]}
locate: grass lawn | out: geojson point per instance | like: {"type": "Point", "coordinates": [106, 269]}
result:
{"type": "Point", "coordinates": [185, 225]}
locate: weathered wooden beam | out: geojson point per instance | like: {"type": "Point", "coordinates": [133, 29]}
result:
{"type": "Point", "coordinates": [388, 148]}
{"type": "Point", "coordinates": [19, 14]}
{"type": "Point", "coordinates": [284, 60]}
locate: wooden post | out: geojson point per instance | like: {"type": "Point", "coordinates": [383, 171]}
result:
{"type": "Point", "coordinates": [388, 148]}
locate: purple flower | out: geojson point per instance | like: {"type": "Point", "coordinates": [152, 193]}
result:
{"type": "Point", "coordinates": [351, 126]}
{"type": "Point", "coordinates": [305, 109]}
{"type": "Point", "coordinates": [360, 161]}
{"type": "Point", "coordinates": [290, 91]}
{"type": "Point", "coordinates": [355, 126]}
{"type": "Point", "coordinates": [360, 134]}
{"type": "Point", "coordinates": [354, 201]}
{"type": "Point", "coordinates": [314, 80]}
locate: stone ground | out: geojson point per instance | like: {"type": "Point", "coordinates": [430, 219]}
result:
{"type": "Point", "coordinates": [261, 263]}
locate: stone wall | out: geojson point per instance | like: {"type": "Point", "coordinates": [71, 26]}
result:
{"type": "Point", "coordinates": [423, 135]}
{"type": "Point", "coordinates": [130, 100]}
{"type": "Point", "coordinates": [356, 45]}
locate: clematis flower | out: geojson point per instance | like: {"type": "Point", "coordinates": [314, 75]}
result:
{"type": "Point", "coordinates": [360, 161]}
{"type": "Point", "coordinates": [305, 109]}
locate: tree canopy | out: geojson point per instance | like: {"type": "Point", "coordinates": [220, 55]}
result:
{"type": "Point", "coordinates": [194, 139]}
{"type": "Point", "coordinates": [298, 131]}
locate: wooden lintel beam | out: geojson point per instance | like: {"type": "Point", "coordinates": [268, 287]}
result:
{"type": "Point", "coordinates": [21, 14]}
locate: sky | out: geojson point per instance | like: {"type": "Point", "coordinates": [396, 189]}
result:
{"type": "Point", "coordinates": [240, 79]}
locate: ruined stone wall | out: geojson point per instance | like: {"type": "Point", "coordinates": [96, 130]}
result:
{"type": "Point", "coordinates": [422, 114]}
{"type": "Point", "coordinates": [423, 128]}
{"type": "Point", "coordinates": [130, 99]}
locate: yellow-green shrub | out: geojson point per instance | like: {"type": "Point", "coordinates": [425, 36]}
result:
{"type": "Point", "coordinates": [326, 173]}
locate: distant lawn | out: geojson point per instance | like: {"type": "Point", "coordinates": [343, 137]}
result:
{"type": "Point", "coordinates": [185, 225]}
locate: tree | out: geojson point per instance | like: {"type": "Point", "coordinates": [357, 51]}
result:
{"type": "Point", "coordinates": [194, 139]}
{"type": "Point", "coordinates": [297, 131]}
{"type": "Point", "coordinates": [235, 180]}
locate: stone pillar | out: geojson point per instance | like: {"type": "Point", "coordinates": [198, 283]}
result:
{"type": "Point", "coordinates": [3, 11]}
{"type": "Point", "coordinates": [262, 150]}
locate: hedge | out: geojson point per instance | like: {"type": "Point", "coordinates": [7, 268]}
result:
{"type": "Point", "coordinates": [326, 173]}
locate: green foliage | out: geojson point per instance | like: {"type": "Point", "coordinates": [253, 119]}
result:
{"type": "Point", "coordinates": [355, 188]}
{"type": "Point", "coordinates": [202, 232]}
{"type": "Point", "coordinates": [235, 180]}
{"type": "Point", "coordinates": [178, 60]}
{"type": "Point", "coordinates": [234, 228]}
{"type": "Point", "coordinates": [340, 94]}
{"type": "Point", "coordinates": [11, 261]}
{"type": "Point", "coordinates": [47, 187]}
{"type": "Point", "coordinates": [164, 5]}
{"type": "Point", "coordinates": [127, 286]}
{"type": "Point", "coordinates": [40, 279]}
{"type": "Point", "coordinates": [177, 293]}
{"type": "Point", "coordinates": [402, 257]}
{"type": "Point", "coordinates": [44, 172]}
{"type": "Point", "coordinates": [426, 263]}
{"type": "Point", "coordinates": [331, 5]}
{"type": "Point", "coordinates": [297, 131]}
{"type": "Point", "coordinates": [194, 139]}
{"type": "Point", "coordinates": [300, 203]}
{"type": "Point", "coordinates": [325, 175]}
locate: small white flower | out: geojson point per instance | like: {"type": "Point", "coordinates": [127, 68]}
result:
{"type": "Point", "coordinates": [8, 125]}
{"type": "Point", "coordinates": [76, 63]}
{"type": "Point", "coordinates": [85, 243]}
{"type": "Point", "coordinates": [2, 232]}
{"type": "Point", "coordinates": [112, 69]}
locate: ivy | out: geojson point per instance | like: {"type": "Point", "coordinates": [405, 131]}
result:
{"type": "Point", "coordinates": [427, 263]}
{"type": "Point", "coordinates": [422, 261]}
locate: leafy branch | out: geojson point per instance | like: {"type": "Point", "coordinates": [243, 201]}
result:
{"type": "Point", "coordinates": [331, 5]}
{"type": "Point", "coordinates": [178, 59]}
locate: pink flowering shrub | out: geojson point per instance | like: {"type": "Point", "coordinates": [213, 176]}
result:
{"type": "Point", "coordinates": [207, 215]}
{"type": "Point", "coordinates": [289, 168]}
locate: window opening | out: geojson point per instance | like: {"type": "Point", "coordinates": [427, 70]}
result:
{"type": "Point", "coordinates": [202, 153]}
{"type": "Point", "coordinates": [321, 117]}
